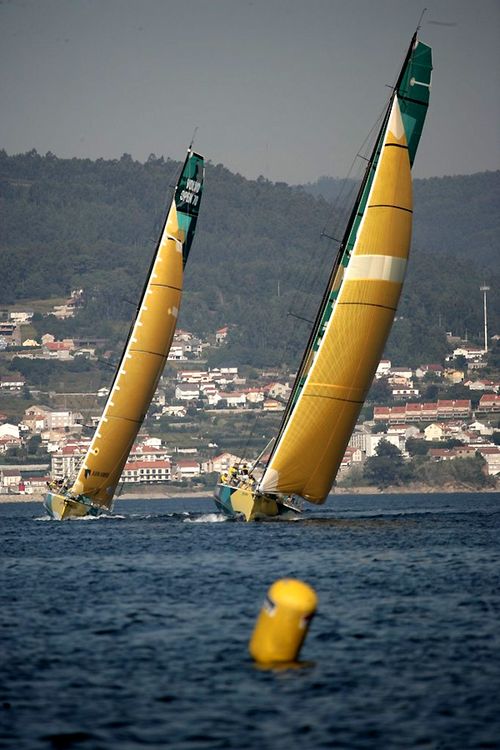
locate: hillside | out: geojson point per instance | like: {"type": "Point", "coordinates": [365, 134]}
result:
{"type": "Point", "coordinates": [457, 215]}
{"type": "Point", "coordinates": [258, 253]}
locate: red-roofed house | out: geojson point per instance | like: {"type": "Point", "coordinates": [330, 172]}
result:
{"type": "Point", "coordinates": [491, 454]}
{"type": "Point", "coordinates": [147, 472]}
{"type": "Point", "coordinates": [186, 468]}
{"type": "Point", "coordinates": [221, 335]}
{"type": "Point", "coordinates": [489, 402]}
{"type": "Point", "coordinates": [12, 382]}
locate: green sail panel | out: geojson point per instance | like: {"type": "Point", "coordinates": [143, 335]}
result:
{"type": "Point", "coordinates": [414, 93]}
{"type": "Point", "coordinates": [188, 198]}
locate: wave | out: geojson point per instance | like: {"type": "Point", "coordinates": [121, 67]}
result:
{"type": "Point", "coordinates": [207, 518]}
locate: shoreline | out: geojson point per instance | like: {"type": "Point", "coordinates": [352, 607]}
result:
{"type": "Point", "coordinates": [197, 494]}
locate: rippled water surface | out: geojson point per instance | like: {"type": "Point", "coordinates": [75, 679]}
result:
{"type": "Point", "coordinates": [131, 631]}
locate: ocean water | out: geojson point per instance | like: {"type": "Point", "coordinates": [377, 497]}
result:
{"type": "Point", "coordinates": [131, 631]}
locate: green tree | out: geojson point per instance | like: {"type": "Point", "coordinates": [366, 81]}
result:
{"type": "Point", "coordinates": [387, 466]}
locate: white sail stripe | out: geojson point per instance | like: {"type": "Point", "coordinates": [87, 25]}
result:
{"type": "Point", "coordinates": [376, 268]}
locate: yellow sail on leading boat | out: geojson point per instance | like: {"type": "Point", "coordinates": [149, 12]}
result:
{"type": "Point", "coordinates": [353, 322]}
{"type": "Point", "coordinates": [143, 359]}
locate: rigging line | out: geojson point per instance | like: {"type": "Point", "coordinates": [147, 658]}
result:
{"type": "Point", "coordinates": [299, 317]}
{"type": "Point", "coordinates": [256, 419]}
{"type": "Point", "coordinates": [288, 340]}
{"type": "Point", "coordinates": [341, 205]}
{"type": "Point", "coordinates": [107, 364]}
{"type": "Point", "coordinates": [375, 127]}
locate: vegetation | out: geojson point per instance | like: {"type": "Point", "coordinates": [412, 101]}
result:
{"type": "Point", "coordinates": [387, 468]}
{"type": "Point", "coordinates": [258, 255]}
{"type": "Point", "coordinates": [467, 473]}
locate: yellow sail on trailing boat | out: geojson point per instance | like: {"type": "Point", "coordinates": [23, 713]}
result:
{"type": "Point", "coordinates": [354, 319]}
{"type": "Point", "coordinates": [136, 378]}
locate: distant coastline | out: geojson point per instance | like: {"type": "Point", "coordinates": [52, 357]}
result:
{"type": "Point", "coordinates": [179, 492]}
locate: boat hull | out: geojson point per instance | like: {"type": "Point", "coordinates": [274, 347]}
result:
{"type": "Point", "coordinates": [60, 507]}
{"type": "Point", "coordinates": [240, 501]}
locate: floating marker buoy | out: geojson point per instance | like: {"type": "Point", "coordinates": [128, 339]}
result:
{"type": "Point", "coordinates": [283, 621]}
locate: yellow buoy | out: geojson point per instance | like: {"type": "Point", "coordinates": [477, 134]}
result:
{"type": "Point", "coordinates": [283, 621]}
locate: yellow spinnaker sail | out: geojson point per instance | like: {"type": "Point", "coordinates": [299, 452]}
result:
{"type": "Point", "coordinates": [144, 356]}
{"type": "Point", "coordinates": [312, 444]}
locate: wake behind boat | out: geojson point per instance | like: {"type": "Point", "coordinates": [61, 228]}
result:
{"type": "Point", "coordinates": [142, 361]}
{"type": "Point", "coordinates": [353, 321]}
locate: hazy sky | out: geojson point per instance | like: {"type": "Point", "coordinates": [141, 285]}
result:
{"type": "Point", "coordinates": [283, 88]}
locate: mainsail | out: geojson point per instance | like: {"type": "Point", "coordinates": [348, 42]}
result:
{"type": "Point", "coordinates": [313, 442]}
{"type": "Point", "coordinates": [358, 307]}
{"type": "Point", "coordinates": [148, 344]}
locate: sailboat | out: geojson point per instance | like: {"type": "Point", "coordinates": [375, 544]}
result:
{"type": "Point", "coordinates": [353, 321]}
{"type": "Point", "coordinates": [92, 491]}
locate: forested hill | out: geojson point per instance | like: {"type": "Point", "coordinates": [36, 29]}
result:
{"type": "Point", "coordinates": [452, 214]}
{"type": "Point", "coordinates": [258, 253]}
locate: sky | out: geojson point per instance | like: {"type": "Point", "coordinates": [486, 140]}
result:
{"type": "Point", "coordinates": [286, 89]}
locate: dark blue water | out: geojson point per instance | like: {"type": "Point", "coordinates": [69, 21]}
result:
{"type": "Point", "coordinates": [132, 632]}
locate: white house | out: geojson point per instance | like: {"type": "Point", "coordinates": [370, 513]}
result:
{"type": "Point", "coordinates": [351, 456]}
{"type": "Point", "coordinates": [186, 468]}
{"type": "Point", "coordinates": [12, 382]}
{"type": "Point", "coordinates": [423, 370]}
{"type": "Point", "coordinates": [193, 376]}
{"type": "Point", "coordinates": [9, 430]}
{"type": "Point", "coordinates": [67, 459]}
{"type": "Point", "coordinates": [469, 351]}
{"type": "Point", "coordinates": [491, 454]}
{"type": "Point", "coordinates": [187, 392]}
{"type": "Point", "coordinates": [176, 353]}
{"type": "Point", "coordinates": [174, 411]}
{"type": "Point", "coordinates": [434, 431]}
{"type": "Point", "coordinates": [481, 427]}
{"type": "Point", "coordinates": [234, 399]}
{"type": "Point", "coordinates": [402, 372]}
{"type": "Point", "coordinates": [277, 390]}
{"type": "Point", "coordinates": [21, 317]}
{"type": "Point", "coordinates": [254, 395]}
{"type": "Point", "coordinates": [400, 391]}
{"type": "Point", "coordinates": [383, 369]}
{"type": "Point", "coordinates": [271, 404]}
{"type": "Point", "coordinates": [9, 479]}
{"type": "Point", "coordinates": [147, 472]}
